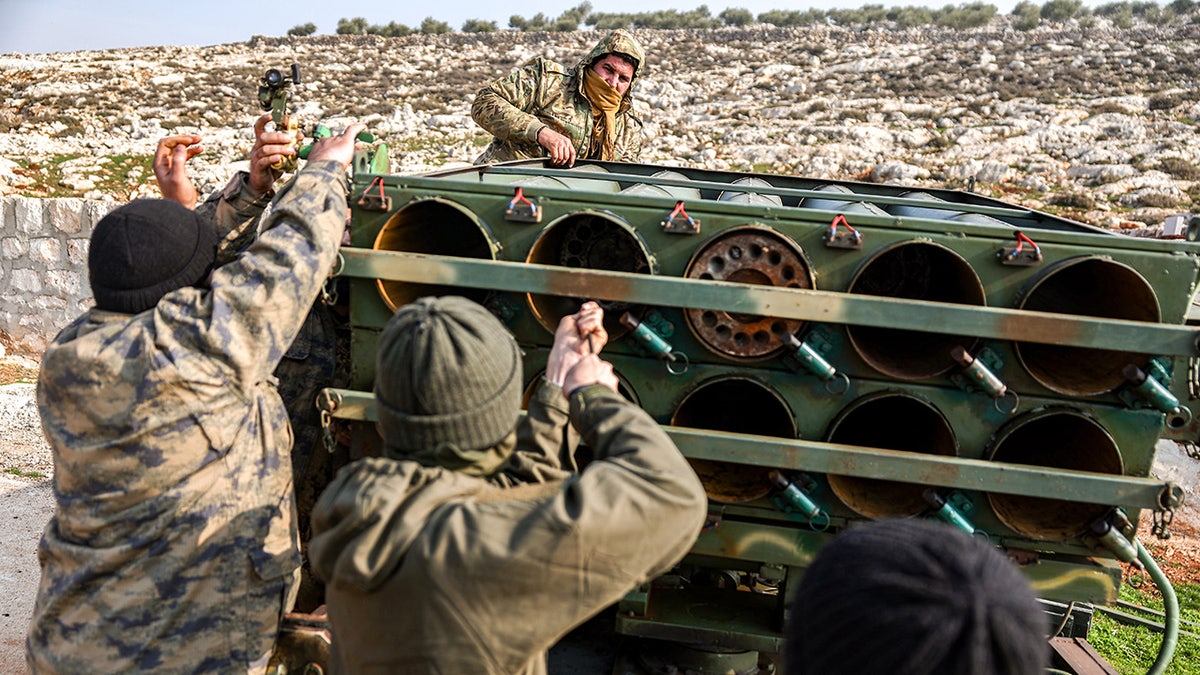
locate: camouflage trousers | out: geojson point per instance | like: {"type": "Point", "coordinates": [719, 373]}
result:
{"type": "Point", "coordinates": [319, 358]}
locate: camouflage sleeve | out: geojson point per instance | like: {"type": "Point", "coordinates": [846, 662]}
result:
{"type": "Point", "coordinates": [504, 107]}
{"type": "Point", "coordinates": [258, 302]}
{"type": "Point", "coordinates": [629, 145]}
{"type": "Point", "coordinates": [234, 212]}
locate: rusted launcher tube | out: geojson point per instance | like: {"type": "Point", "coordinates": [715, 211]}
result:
{"type": "Point", "coordinates": [749, 254]}
{"type": "Point", "coordinates": [891, 421]}
{"type": "Point", "coordinates": [589, 240]}
{"type": "Point", "coordinates": [914, 270]}
{"type": "Point", "coordinates": [1055, 439]}
{"type": "Point", "coordinates": [1087, 286]}
{"type": "Point", "coordinates": [435, 226]}
{"type": "Point", "coordinates": [741, 405]}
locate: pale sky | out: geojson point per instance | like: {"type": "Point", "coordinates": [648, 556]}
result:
{"type": "Point", "coordinates": [39, 26]}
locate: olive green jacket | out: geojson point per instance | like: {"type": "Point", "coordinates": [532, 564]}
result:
{"type": "Point", "coordinates": [545, 93]}
{"type": "Point", "coordinates": [173, 543]}
{"type": "Point", "coordinates": [433, 571]}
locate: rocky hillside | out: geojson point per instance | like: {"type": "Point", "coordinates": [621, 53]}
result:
{"type": "Point", "coordinates": [1096, 123]}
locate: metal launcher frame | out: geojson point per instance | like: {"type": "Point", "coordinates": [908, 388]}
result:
{"type": "Point", "coordinates": [822, 352]}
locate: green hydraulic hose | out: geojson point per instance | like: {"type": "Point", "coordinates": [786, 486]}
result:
{"type": "Point", "coordinates": [1166, 650]}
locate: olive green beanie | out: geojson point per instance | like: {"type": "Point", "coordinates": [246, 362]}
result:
{"type": "Point", "coordinates": [447, 382]}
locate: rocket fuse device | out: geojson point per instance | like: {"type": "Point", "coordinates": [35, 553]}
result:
{"type": "Point", "coordinates": [822, 352]}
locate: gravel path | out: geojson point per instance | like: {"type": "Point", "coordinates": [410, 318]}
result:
{"type": "Point", "coordinates": [25, 470]}
{"type": "Point", "coordinates": [27, 507]}
{"type": "Point", "coordinates": [24, 454]}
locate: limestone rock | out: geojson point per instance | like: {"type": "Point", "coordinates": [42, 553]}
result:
{"type": "Point", "coordinates": [1067, 110]}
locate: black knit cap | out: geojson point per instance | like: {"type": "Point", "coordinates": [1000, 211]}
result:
{"type": "Point", "coordinates": [447, 381]}
{"type": "Point", "coordinates": [145, 249]}
{"type": "Point", "coordinates": [914, 597]}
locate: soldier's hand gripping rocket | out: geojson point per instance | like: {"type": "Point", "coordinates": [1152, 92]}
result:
{"type": "Point", "coordinates": [271, 152]}
{"type": "Point", "coordinates": [577, 336]}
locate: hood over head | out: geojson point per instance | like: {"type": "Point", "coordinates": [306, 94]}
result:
{"type": "Point", "coordinates": [619, 41]}
{"type": "Point", "coordinates": [371, 513]}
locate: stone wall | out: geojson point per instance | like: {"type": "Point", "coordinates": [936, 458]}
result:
{"type": "Point", "coordinates": [43, 266]}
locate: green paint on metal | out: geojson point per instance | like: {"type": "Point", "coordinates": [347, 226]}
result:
{"type": "Point", "coordinates": [776, 544]}
{"type": "Point", "coordinates": [790, 303]}
{"type": "Point", "coordinates": [1075, 579]}
{"type": "Point", "coordinates": [908, 467]}
{"type": "Point", "coordinates": [721, 619]}
{"type": "Point", "coordinates": [787, 409]}
{"type": "Point", "coordinates": [849, 460]}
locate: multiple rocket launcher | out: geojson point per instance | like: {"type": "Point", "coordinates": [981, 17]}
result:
{"type": "Point", "coordinates": [823, 352]}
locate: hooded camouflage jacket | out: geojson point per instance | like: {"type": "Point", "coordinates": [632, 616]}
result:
{"type": "Point", "coordinates": [173, 544]}
{"type": "Point", "coordinates": [545, 93]}
{"type": "Point", "coordinates": [433, 571]}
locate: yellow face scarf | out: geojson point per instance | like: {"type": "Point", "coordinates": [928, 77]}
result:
{"type": "Point", "coordinates": [605, 100]}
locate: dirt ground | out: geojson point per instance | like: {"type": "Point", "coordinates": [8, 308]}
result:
{"type": "Point", "coordinates": [25, 469]}
{"type": "Point", "coordinates": [1179, 556]}
{"type": "Point", "coordinates": [27, 507]}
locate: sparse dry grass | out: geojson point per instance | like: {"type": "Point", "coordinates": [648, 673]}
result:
{"type": "Point", "coordinates": [12, 373]}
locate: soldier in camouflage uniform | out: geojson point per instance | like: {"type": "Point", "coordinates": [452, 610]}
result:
{"type": "Point", "coordinates": [586, 112]}
{"type": "Point", "coordinates": [436, 560]}
{"type": "Point", "coordinates": [234, 211]}
{"type": "Point", "coordinates": [173, 544]}
{"type": "Point", "coordinates": [316, 358]}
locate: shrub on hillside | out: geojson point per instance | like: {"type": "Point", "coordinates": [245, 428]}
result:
{"type": "Point", "coordinates": [1073, 200]}
{"type": "Point", "coordinates": [567, 21]}
{"type": "Point", "coordinates": [478, 26]}
{"type": "Point", "coordinates": [969, 15]}
{"type": "Point", "coordinates": [865, 15]}
{"type": "Point", "coordinates": [1164, 101]}
{"type": "Point", "coordinates": [736, 17]}
{"type": "Point", "coordinates": [910, 17]}
{"type": "Point", "coordinates": [538, 22]}
{"type": "Point", "coordinates": [573, 18]}
{"type": "Point", "coordinates": [1120, 13]}
{"type": "Point", "coordinates": [1026, 16]}
{"type": "Point", "coordinates": [781, 17]}
{"type": "Point", "coordinates": [431, 26]}
{"type": "Point", "coordinates": [1061, 10]}
{"type": "Point", "coordinates": [393, 29]}
{"type": "Point", "coordinates": [1180, 168]}
{"type": "Point", "coordinates": [664, 19]}
{"type": "Point", "coordinates": [355, 26]}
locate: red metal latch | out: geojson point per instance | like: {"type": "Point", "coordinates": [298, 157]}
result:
{"type": "Point", "coordinates": [849, 239]}
{"type": "Point", "coordinates": [522, 210]}
{"type": "Point", "coordinates": [1019, 255]}
{"type": "Point", "coordinates": [372, 202]}
{"type": "Point", "coordinates": [685, 225]}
